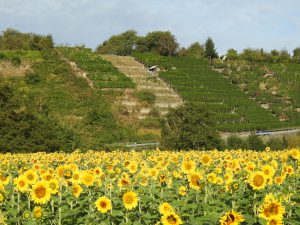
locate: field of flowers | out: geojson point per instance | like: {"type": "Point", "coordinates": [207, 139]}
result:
{"type": "Point", "coordinates": [151, 187]}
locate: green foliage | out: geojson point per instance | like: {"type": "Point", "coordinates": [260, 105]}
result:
{"type": "Point", "coordinates": [121, 44]}
{"type": "Point", "coordinates": [14, 40]}
{"type": "Point", "coordinates": [277, 143]}
{"type": "Point", "coordinates": [234, 142]}
{"type": "Point", "coordinates": [210, 50]}
{"type": "Point", "coordinates": [16, 61]}
{"type": "Point", "coordinates": [145, 96]}
{"type": "Point", "coordinates": [296, 55]}
{"type": "Point", "coordinates": [101, 72]}
{"type": "Point", "coordinates": [151, 122]}
{"type": "Point", "coordinates": [32, 78]}
{"type": "Point", "coordinates": [232, 54]}
{"type": "Point", "coordinates": [255, 143]}
{"type": "Point", "coordinates": [2, 56]}
{"type": "Point", "coordinates": [196, 50]}
{"type": "Point", "coordinates": [190, 127]}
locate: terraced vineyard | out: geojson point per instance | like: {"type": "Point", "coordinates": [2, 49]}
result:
{"type": "Point", "coordinates": [275, 86]}
{"type": "Point", "coordinates": [101, 72]}
{"type": "Point", "coordinates": [196, 82]}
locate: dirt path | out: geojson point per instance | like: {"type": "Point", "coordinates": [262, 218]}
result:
{"type": "Point", "coordinates": [166, 97]}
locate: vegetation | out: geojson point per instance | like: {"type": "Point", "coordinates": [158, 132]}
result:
{"type": "Point", "coordinates": [196, 82]}
{"type": "Point", "coordinates": [11, 39]}
{"type": "Point", "coordinates": [190, 127]}
{"type": "Point", "coordinates": [145, 96]}
{"type": "Point", "coordinates": [167, 187]}
{"type": "Point", "coordinates": [210, 51]}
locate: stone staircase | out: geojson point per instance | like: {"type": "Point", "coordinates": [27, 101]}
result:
{"type": "Point", "coordinates": [166, 97]}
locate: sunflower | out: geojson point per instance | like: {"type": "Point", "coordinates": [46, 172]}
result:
{"type": "Point", "coordinates": [40, 192]}
{"type": "Point", "coordinates": [271, 208]}
{"type": "Point", "coordinates": [31, 176]}
{"type": "Point", "coordinates": [257, 180]}
{"type": "Point", "coordinates": [188, 166]}
{"type": "Point", "coordinates": [38, 212]}
{"type": "Point", "coordinates": [165, 208]}
{"type": "Point", "coordinates": [268, 171]}
{"type": "Point", "coordinates": [231, 218]}
{"type": "Point", "coordinates": [130, 200]}
{"type": "Point", "coordinates": [279, 180]}
{"type": "Point", "coordinates": [53, 185]}
{"type": "Point", "coordinates": [103, 204]}
{"type": "Point", "coordinates": [171, 218]}
{"type": "Point", "coordinates": [88, 178]}
{"type": "Point", "coordinates": [275, 221]}
{"type": "Point", "coordinates": [194, 180]}
{"type": "Point", "coordinates": [21, 183]}
{"type": "Point", "coordinates": [182, 191]}
{"type": "Point", "coordinates": [76, 190]}
{"type": "Point", "coordinates": [76, 177]}
{"type": "Point", "coordinates": [205, 159]}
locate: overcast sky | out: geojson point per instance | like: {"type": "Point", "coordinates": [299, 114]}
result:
{"type": "Point", "coordinates": [268, 24]}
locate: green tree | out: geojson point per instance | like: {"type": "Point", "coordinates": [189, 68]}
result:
{"type": "Point", "coordinates": [296, 55]}
{"type": "Point", "coordinates": [161, 42]}
{"type": "Point", "coordinates": [121, 44]}
{"type": "Point", "coordinates": [210, 50]}
{"type": "Point", "coordinates": [234, 142]}
{"type": "Point", "coordinates": [232, 54]}
{"type": "Point", "coordinates": [255, 143]}
{"type": "Point", "coordinates": [196, 50]}
{"type": "Point", "coordinates": [190, 127]}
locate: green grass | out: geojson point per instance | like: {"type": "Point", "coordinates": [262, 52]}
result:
{"type": "Point", "coordinates": [101, 72]}
{"type": "Point", "coordinates": [194, 80]}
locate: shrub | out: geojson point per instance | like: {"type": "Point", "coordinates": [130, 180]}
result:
{"type": "Point", "coordinates": [145, 96]}
{"type": "Point", "coordinates": [16, 61]}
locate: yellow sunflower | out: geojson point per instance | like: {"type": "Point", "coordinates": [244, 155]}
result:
{"type": "Point", "coordinates": [130, 200]}
{"type": "Point", "coordinates": [257, 180]}
{"type": "Point", "coordinates": [103, 204]}
{"type": "Point", "coordinates": [194, 180]}
{"type": "Point", "coordinates": [53, 185]}
{"type": "Point", "coordinates": [88, 178]}
{"type": "Point", "coordinates": [171, 218]}
{"type": "Point", "coordinates": [165, 208]}
{"type": "Point", "coordinates": [31, 176]}
{"type": "Point", "coordinates": [268, 171]}
{"type": "Point", "coordinates": [38, 212]}
{"type": "Point", "coordinates": [76, 190]}
{"type": "Point", "coordinates": [188, 166]}
{"type": "Point", "coordinates": [271, 208]}
{"type": "Point", "coordinates": [231, 218]}
{"type": "Point", "coordinates": [275, 221]}
{"type": "Point", "coordinates": [40, 193]}
{"type": "Point", "coordinates": [205, 159]}
{"type": "Point", "coordinates": [21, 183]}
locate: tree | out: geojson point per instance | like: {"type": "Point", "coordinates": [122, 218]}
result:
{"type": "Point", "coordinates": [196, 50]}
{"type": "Point", "coordinates": [210, 50]}
{"type": "Point", "coordinates": [255, 143]}
{"type": "Point", "coordinates": [232, 54]}
{"type": "Point", "coordinates": [296, 55]}
{"type": "Point", "coordinates": [121, 44]}
{"type": "Point", "coordinates": [162, 42]}
{"type": "Point", "coordinates": [190, 127]}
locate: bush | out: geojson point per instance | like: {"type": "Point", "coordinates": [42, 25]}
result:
{"type": "Point", "coordinates": [16, 61]}
{"type": "Point", "coordinates": [2, 56]}
{"type": "Point", "coordinates": [32, 78]}
{"type": "Point", "coordinates": [234, 142]}
{"type": "Point", "coordinates": [277, 143]}
{"type": "Point", "coordinates": [150, 122]}
{"type": "Point", "coordinates": [255, 143]}
{"type": "Point", "coordinates": [145, 96]}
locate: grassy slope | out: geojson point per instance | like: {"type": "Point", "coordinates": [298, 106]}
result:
{"type": "Point", "coordinates": [196, 82]}
{"type": "Point", "coordinates": [280, 91]}
{"type": "Point", "coordinates": [53, 91]}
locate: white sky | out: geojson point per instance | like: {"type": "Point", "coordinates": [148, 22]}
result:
{"type": "Point", "coordinates": [268, 24]}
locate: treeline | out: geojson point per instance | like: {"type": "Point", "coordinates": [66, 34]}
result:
{"type": "Point", "coordinates": [164, 43]}
{"type": "Point", "coordinates": [11, 39]}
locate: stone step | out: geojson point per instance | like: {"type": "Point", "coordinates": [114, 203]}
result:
{"type": "Point", "coordinates": [166, 105]}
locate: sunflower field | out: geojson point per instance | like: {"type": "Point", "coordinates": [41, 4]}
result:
{"type": "Point", "coordinates": [151, 187]}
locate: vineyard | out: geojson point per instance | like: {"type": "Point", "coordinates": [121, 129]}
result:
{"type": "Point", "coordinates": [196, 82]}
{"type": "Point", "coordinates": [101, 72]}
{"type": "Point", "coordinates": [273, 85]}
{"type": "Point", "coordinates": [151, 187]}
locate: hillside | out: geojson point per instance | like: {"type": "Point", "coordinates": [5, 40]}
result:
{"type": "Point", "coordinates": [195, 81]}
{"type": "Point", "coordinates": [65, 111]}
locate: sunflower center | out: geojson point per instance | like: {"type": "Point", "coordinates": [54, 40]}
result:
{"type": "Point", "coordinates": [40, 191]}
{"type": "Point", "coordinates": [258, 180]}
{"type": "Point", "coordinates": [129, 199]}
{"type": "Point", "coordinates": [188, 166]}
{"type": "Point", "coordinates": [30, 177]}
{"type": "Point", "coordinates": [171, 219]}
{"type": "Point", "coordinates": [103, 204]}
{"type": "Point", "coordinates": [21, 183]}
